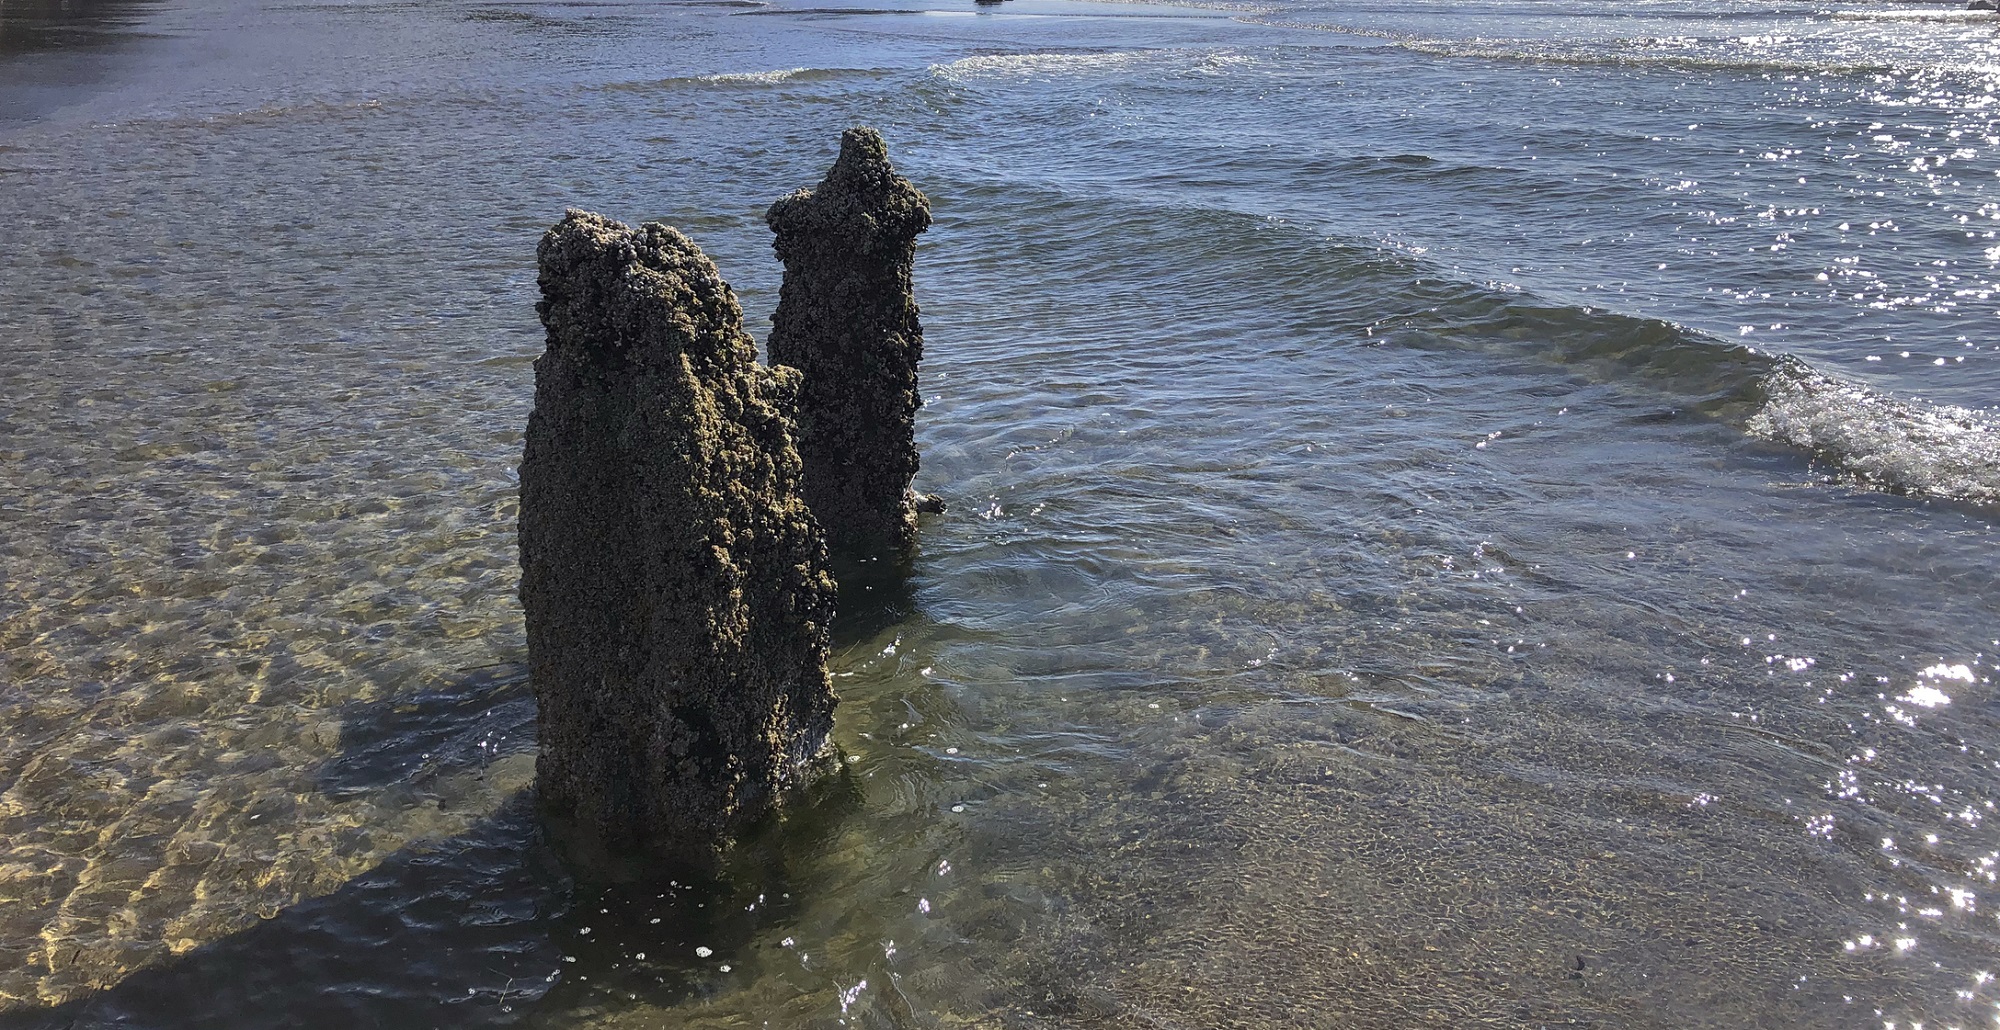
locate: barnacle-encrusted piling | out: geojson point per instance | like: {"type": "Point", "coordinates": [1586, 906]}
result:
{"type": "Point", "coordinates": [846, 319]}
{"type": "Point", "coordinates": [673, 578]}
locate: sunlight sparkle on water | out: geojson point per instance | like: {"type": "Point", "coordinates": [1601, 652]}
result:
{"type": "Point", "coordinates": [1928, 697]}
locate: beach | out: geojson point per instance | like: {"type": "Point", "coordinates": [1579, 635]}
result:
{"type": "Point", "coordinates": [1454, 515]}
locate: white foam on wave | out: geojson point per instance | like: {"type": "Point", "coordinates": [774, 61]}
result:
{"type": "Point", "coordinates": [769, 78]}
{"type": "Point", "coordinates": [1013, 65]}
{"type": "Point", "coordinates": [1927, 450]}
{"type": "Point", "coordinates": [1050, 64]}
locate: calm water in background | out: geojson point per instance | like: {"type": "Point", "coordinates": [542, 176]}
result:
{"type": "Point", "coordinates": [1458, 514]}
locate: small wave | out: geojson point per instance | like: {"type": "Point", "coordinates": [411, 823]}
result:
{"type": "Point", "coordinates": [1636, 54]}
{"type": "Point", "coordinates": [1896, 445]}
{"type": "Point", "coordinates": [306, 112]}
{"type": "Point", "coordinates": [1906, 447]}
{"type": "Point", "coordinates": [1801, 56]}
{"type": "Point", "coordinates": [1070, 62]}
{"type": "Point", "coordinates": [747, 79]}
{"type": "Point", "coordinates": [1940, 16]}
{"type": "Point", "coordinates": [1279, 20]}
{"type": "Point", "coordinates": [1044, 63]}
{"type": "Point", "coordinates": [767, 11]}
{"type": "Point", "coordinates": [1236, 6]}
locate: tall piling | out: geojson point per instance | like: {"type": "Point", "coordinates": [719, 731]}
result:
{"type": "Point", "coordinates": [673, 578]}
{"type": "Point", "coordinates": [847, 320]}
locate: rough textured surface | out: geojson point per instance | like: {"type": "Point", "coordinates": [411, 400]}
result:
{"type": "Point", "coordinates": [846, 319]}
{"type": "Point", "coordinates": [673, 579]}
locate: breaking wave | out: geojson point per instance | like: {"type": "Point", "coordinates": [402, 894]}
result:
{"type": "Point", "coordinates": [1859, 435]}
{"type": "Point", "coordinates": [1902, 446]}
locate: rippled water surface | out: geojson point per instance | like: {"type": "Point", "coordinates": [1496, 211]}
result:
{"type": "Point", "coordinates": [1458, 516]}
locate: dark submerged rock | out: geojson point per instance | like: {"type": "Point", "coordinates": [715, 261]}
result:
{"type": "Point", "coordinates": [673, 578]}
{"type": "Point", "coordinates": [847, 320]}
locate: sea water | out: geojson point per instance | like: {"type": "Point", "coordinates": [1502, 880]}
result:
{"type": "Point", "coordinates": [1459, 514]}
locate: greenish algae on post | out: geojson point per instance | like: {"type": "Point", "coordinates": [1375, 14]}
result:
{"type": "Point", "coordinates": [672, 576]}
{"type": "Point", "coordinates": [847, 320]}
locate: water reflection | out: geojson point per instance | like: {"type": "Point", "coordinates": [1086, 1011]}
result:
{"type": "Point", "coordinates": [31, 25]}
{"type": "Point", "coordinates": [56, 53]}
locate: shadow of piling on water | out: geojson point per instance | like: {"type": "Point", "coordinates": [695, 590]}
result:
{"type": "Point", "coordinates": [875, 594]}
{"type": "Point", "coordinates": [470, 915]}
{"type": "Point", "coordinates": [420, 743]}
{"type": "Point", "coordinates": [484, 928]}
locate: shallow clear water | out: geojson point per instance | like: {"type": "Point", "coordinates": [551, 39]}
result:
{"type": "Point", "coordinates": [1455, 515]}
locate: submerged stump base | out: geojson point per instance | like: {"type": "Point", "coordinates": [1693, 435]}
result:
{"type": "Point", "coordinates": [673, 579]}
